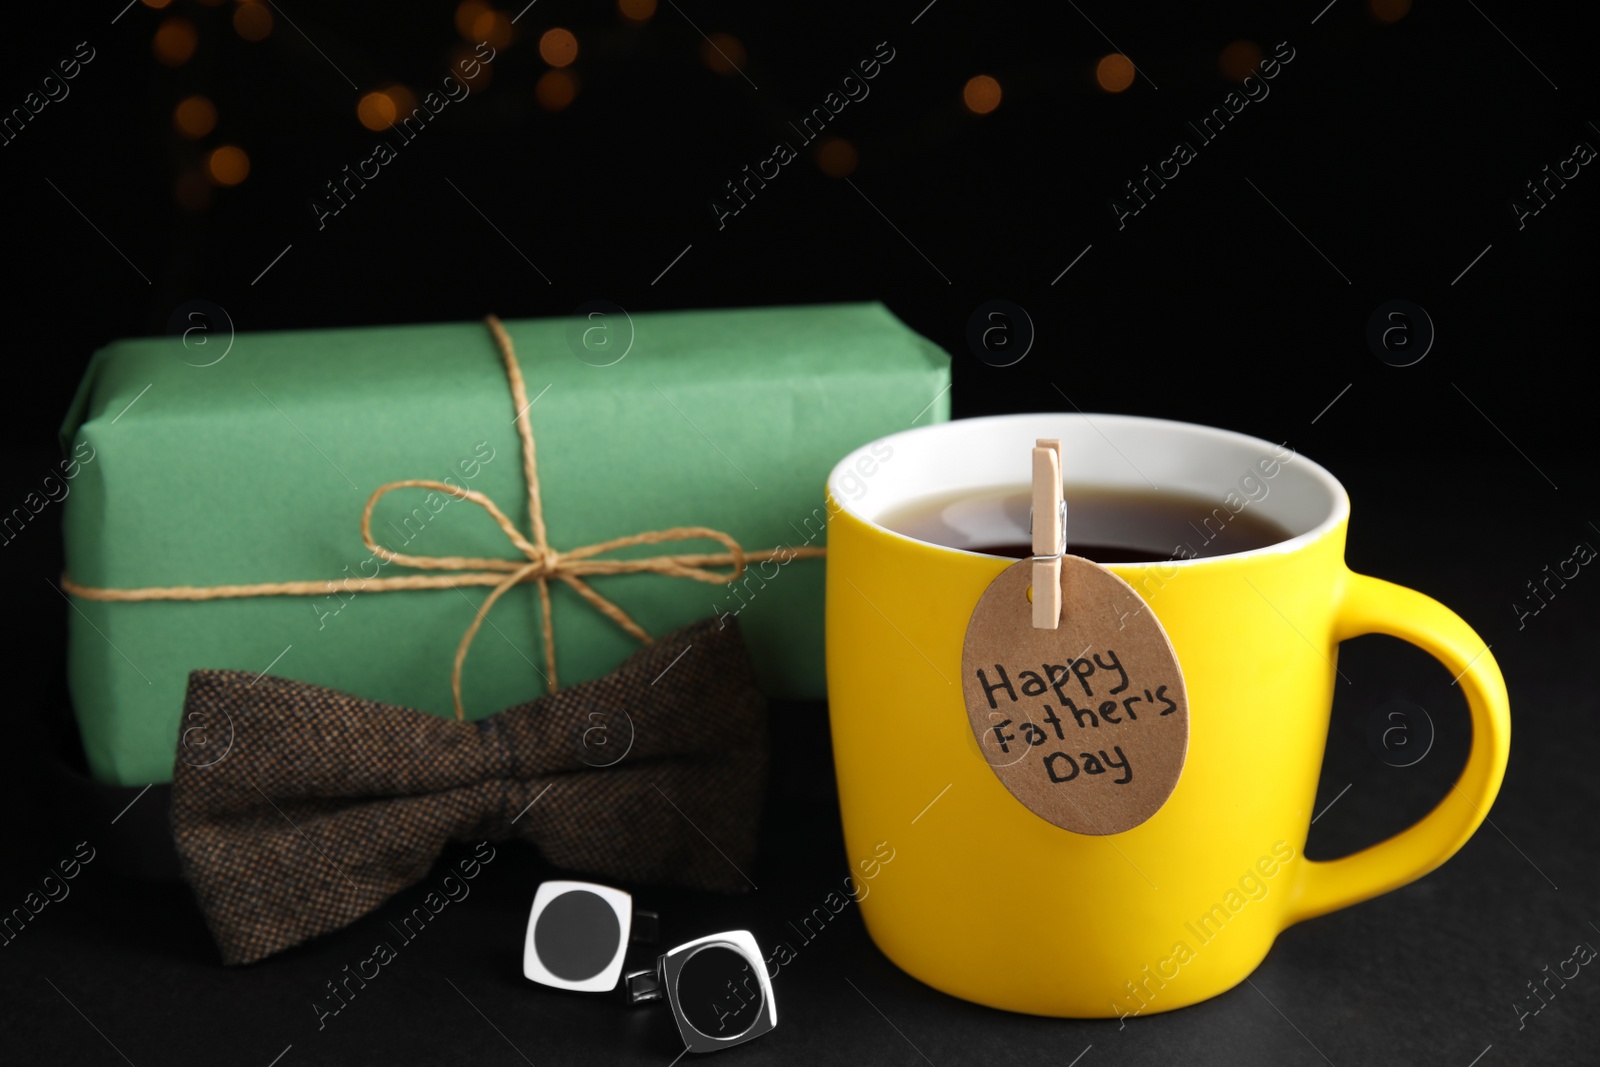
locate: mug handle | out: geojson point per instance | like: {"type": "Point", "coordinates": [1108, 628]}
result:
{"type": "Point", "coordinates": [1370, 605]}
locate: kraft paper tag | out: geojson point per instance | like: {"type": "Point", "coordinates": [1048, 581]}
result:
{"type": "Point", "coordinates": [1086, 724]}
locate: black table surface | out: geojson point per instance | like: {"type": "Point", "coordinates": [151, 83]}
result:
{"type": "Point", "coordinates": [1434, 973]}
{"type": "Point", "coordinates": [1393, 159]}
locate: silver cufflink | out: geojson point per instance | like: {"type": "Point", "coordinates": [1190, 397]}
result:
{"type": "Point", "coordinates": [717, 987]}
{"type": "Point", "coordinates": [578, 935]}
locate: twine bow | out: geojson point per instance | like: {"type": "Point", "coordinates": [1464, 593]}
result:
{"type": "Point", "coordinates": [540, 563]}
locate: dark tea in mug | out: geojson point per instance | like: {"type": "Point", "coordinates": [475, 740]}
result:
{"type": "Point", "coordinates": [1107, 525]}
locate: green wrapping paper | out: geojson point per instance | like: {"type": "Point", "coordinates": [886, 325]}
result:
{"type": "Point", "coordinates": [256, 468]}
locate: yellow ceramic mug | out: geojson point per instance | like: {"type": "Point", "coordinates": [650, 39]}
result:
{"type": "Point", "coordinates": [991, 903]}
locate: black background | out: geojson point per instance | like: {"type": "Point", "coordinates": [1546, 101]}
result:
{"type": "Point", "coordinates": [1381, 166]}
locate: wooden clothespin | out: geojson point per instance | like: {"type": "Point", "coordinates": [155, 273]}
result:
{"type": "Point", "coordinates": [1049, 533]}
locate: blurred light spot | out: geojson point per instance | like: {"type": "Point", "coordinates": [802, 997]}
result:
{"type": "Point", "coordinates": [981, 94]}
{"type": "Point", "coordinates": [637, 10]}
{"type": "Point", "coordinates": [1238, 61]}
{"type": "Point", "coordinates": [494, 27]}
{"type": "Point", "coordinates": [466, 64]}
{"type": "Point", "coordinates": [556, 89]}
{"type": "Point", "coordinates": [157, 4]}
{"type": "Point", "coordinates": [837, 157]}
{"type": "Point", "coordinates": [1114, 72]}
{"type": "Point", "coordinates": [252, 21]}
{"type": "Point", "coordinates": [723, 53]}
{"type": "Point", "coordinates": [228, 165]}
{"type": "Point", "coordinates": [467, 16]}
{"type": "Point", "coordinates": [376, 111]}
{"type": "Point", "coordinates": [194, 117]}
{"type": "Point", "coordinates": [1389, 10]}
{"type": "Point", "coordinates": [175, 41]}
{"type": "Point", "coordinates": [404, 100]}
{"type": "Point", "coordinates": [192, 191]}
{"type": "Point", "coordinates": [558, 47]}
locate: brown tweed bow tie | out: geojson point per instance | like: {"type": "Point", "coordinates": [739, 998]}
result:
{"type": "Point", "coordinates": [325, 804]}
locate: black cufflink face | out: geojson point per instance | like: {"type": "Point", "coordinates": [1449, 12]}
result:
{"type": "Point", "coordinates": [718, 989]}
{"type": "Point", "coordinates": [577, 936]}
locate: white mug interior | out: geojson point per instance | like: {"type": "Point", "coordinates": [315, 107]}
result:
{"type": "Point", "coordinates": [963, 463]}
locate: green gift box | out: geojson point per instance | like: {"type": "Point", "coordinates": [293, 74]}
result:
{"type": "Point", "coordinates": [249, 461]}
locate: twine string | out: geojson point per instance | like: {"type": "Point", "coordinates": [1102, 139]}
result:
{"type": "Point", "coordinates": [539, 563]}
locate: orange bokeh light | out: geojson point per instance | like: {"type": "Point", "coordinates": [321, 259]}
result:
{"type": "Point", "coordinates": [637, 10]}
{"type": "Point", "coordinates": [494, 27]}
{"type": "Point", "coordinates": [382, 108]}
{"type": "Point", "coordinates": [194, 117]}
{"type": "Point", "coordinates": [405, 101]}
{"type": "Point", "coordinates": [837, 157]}
{"type": "Point", "coordinates": [1114, 72]}
{"type": "Point", "coordinates": [252, 21]}
{"type": "Point", "coordinates": [558, 47]}
{"type": "Point", "coordinates": [376, 111]}
{"type": "Point", "coordinates": [723, 53]}
{"type": "Point", "coordinates": [556, 89]}
{"type": "Point", "coordinates": [462, 60]}
{"type": "Point", "coordinates": [1239, 60]}
{"type": "Point", "coordinates": [981, 94]}
{"type": "Point", "coordinates": [175, 41]}
{"type": "Point", "coordinates": [228, 165]}
{"type": "Point", "coordinates": [467, 16]}
{"type": "Point", "coordinates": [1389, 10]}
